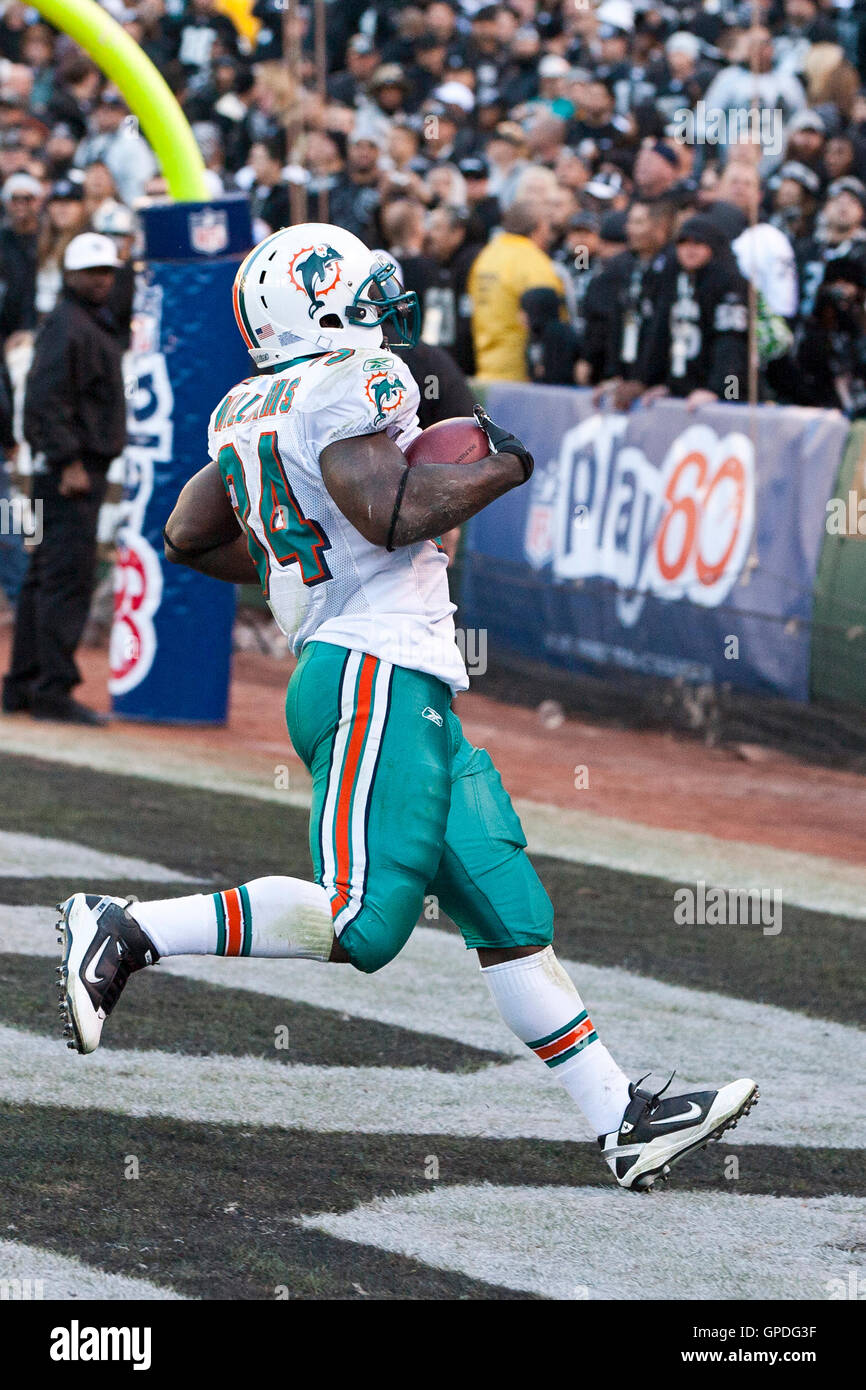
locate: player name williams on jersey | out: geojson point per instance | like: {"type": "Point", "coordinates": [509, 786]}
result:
{"type": "Point", "coordinates": [320, 576]}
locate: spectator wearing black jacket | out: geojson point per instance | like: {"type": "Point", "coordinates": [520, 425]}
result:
{"type": "Point", "coordinates": [443, 389]}
{"type": "Point", "coordinates": [678, 79]}
{"type": "Point", "coordinates": [831, 353]}
{"type": "Point", "coordinates": [198, 34]}
{"type": "Point", "coordinates": [23, 197]}
{"type": "Point", "coordinates": [362, 60]}
{"type": "Point", "coordinates": [486, 213]}
{"type": "Point", "coordinates": [354, 198]}
{"type": "Point", "coordinates": [75, 424]}
{"type": "Point", "coordinates": [630, 281]}
{"type": "Point", "coordinates": [596, 305]}
{"type": "Point", "coordinates": [697, 344]}
{"type": "Point", "coordinates": [269, 195]}
{"type": "Point", "coordinates": [552, 346]}
{"type": "Point", "coordinates": [446, 306]}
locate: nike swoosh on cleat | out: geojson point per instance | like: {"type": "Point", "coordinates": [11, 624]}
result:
{"type": "Point", "coordinates": [89, 975]}
{"type": "Point", "coordinates": [691, 1114]}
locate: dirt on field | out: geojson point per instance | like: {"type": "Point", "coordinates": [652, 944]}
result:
{"type": "Point", "coordinates": [652, 778]}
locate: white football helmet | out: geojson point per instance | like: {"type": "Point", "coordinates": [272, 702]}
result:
{"type": "Point", "coordinates": [317, 286]}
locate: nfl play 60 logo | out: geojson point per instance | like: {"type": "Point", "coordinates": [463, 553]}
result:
{"type": "Point", "coordinates": [681, 529]}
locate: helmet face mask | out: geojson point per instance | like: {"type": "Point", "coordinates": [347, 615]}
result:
{"type": "Point", "coordinates": [386, 302]}
{"type": "Point", "coordinates": [316, 287]}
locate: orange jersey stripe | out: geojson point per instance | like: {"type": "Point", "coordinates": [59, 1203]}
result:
{"type": "Point", "coordinates": [361, 720]}
{"type": "Point", "coordinates": [233, 921]}
{"type": "Point", "coordinates": [566, 1041]}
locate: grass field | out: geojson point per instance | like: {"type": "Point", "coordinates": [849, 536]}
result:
{"type": "Point", "coordinates": [262, 1129]}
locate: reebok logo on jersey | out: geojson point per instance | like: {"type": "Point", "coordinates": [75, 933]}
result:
{"type": "Point", "coordinates": [433, 715]}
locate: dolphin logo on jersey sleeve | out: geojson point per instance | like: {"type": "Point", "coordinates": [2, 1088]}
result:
{"type": "Point", "coordinates": [386, 391]}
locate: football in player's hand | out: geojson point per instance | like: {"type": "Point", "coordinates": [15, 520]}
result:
{"type": "Point", "coordinates": [449, 441]}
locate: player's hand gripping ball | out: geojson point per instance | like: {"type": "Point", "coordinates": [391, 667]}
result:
{"type": "Point", "coordinates": [465, 439]}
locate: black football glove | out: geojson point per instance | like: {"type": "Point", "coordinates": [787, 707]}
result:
{"type": "Point", "coordinates": [504, 442]}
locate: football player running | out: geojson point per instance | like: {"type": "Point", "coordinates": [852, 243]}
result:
{"type": "Point", "coordinates": [309, 494]}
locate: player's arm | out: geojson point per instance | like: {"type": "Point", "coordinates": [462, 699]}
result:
{"type": "Point", "coordinates": [203, 532]}
{"type": "Point", "coordinates": [394, 505]}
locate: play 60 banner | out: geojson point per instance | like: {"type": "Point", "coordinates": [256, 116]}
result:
{"type": "Point", "coordinates": [674, 543]}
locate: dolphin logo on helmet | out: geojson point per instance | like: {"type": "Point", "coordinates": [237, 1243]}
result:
{"type": "Point", "coordinates": [313, 269]}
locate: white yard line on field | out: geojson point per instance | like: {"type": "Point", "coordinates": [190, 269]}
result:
{"type": "Point", "coordinates": [26, 1271]}
{"type": "Point", "coordinates": [38, 856]}
{"type": "Point", "coordinates": [808, 1069]}
{"type": "Point", "coordinates": [602, 1243]}
{"type": "Point", "coordinates": [579, 837]}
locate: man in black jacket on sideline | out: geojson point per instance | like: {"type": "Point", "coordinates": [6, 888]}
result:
{"type": "Point", "coordinates": [75, 424]}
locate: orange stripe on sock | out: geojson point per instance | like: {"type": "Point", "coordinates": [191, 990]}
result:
{"type": "Point", "coordinates": [566, 1041]}
{"type": "Point", "coordinates": [234, 939]}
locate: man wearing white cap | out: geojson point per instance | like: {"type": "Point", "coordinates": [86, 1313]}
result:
{"type": "Point", "coordinates": [679, 79]}
{"type": "Point", "coordinates": [75, 424]}
{"type": "Point", "coordinates": [23, 197]}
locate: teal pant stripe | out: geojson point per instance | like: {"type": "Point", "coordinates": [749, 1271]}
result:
{"type": "Point", "coordinates": [460, 841]}
{"type": "Point", "coordinates": [359, 770]}
{"type": "Point", "coordinates": [342, 769]}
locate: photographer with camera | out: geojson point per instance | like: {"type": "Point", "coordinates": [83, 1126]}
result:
{"type": "Point", "coordinates": [840, 232]}
{"type": "Point", "coordinates": [831, 353]}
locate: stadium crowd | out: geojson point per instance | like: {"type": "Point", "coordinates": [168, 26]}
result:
{"type": "Point", "coordinates": [581, 193]}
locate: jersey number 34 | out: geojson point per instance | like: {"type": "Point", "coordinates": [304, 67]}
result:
{"type": "Point", "coordinates": [290, 537]}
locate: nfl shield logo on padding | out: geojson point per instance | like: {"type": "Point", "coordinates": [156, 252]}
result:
{"type": "Point", "coordinates": [209, 231]}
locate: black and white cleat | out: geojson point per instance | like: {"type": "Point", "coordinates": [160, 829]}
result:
{"type": "Point", "coordinates": [102, 946]}
{"type": "Point", "coordinates": [654, 1133]}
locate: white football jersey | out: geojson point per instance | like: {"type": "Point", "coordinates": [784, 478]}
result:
{"type": "Point", "coordinates": [320, 576]}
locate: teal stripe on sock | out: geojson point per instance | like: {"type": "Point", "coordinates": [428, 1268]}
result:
{"type": "Point", "coordinates": [247, 912]}
{"type": "Point", "coordinates": [566, 1028]}
{"type": "Point", "coordinates": [221, 924]}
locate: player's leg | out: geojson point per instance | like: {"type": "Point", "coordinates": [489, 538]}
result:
{"type": "Point", "coordinates": [104, 940]}
{"type": "Point", "coordinates": [381, 785]}
{"type": "Point", "coordinates": [375, 740]}
{"type": "Point", "coordinates": [488, 885]}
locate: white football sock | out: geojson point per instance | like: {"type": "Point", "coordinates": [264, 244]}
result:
{"type": "Point", "coordinates": [267, 917]}
{"type": "Point", "coordinates": [539, 1002]}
